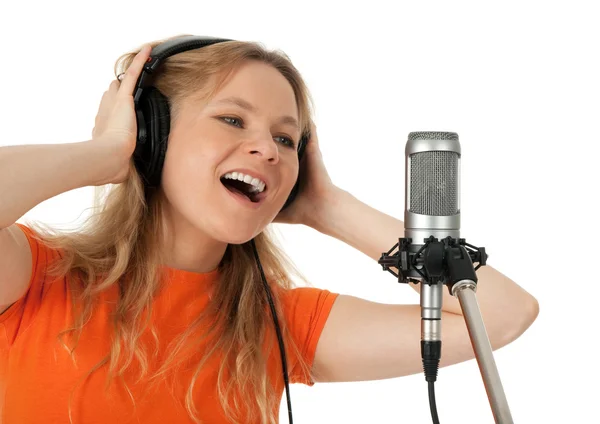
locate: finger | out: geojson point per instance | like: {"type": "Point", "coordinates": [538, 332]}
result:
{"type": "Point", "coordinates": [133, 72]}
{"type": "Point", "coordinates": [113, 88]}
{"type": "Point", "coordinates": [108, 96]}
{"type": "Point", "coordinates": [107, 100]}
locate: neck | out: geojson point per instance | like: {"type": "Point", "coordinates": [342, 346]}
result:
{"type": "Point", "coordinates": [187, 248]}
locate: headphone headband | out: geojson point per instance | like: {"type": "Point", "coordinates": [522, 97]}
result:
{"type": "Point", "coordinates": [169, 48]}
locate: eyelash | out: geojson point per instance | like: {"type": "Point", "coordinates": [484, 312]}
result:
{"type": "Point", "coordinates": [290, 142]}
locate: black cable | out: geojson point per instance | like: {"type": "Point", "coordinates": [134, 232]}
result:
{"type": "Point", "coordinates": [431, 351]}
{"type": "Point", "coordinates": [432, 405]}
{"type": "Point", "coordinates": [279, 337]}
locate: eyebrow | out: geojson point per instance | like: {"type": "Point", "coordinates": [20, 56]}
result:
{"type": "Point", "coordinates": [248, 106]}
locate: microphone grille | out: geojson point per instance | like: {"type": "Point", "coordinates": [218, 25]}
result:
{"type": "Point", "coordinates": [434, 181]}
{"type": "Point", "coordinates": [432, 135]}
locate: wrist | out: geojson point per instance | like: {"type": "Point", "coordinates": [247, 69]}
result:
{"type": "Point", "coordinates": [109, 164]}
{"type": "Point", "coordinates": [95, 156]}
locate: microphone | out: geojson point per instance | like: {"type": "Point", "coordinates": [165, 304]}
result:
{"type": "Point", "coordinates": [433, 254]}
{"type": "Point", "coordinates": [432, 209]}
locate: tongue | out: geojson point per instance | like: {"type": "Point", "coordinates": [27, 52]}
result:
{"type": "Point", "coordinates": [236, 191]}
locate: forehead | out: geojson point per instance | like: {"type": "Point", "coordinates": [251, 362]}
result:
{"type": "Point", "coordinates": [257, 87]}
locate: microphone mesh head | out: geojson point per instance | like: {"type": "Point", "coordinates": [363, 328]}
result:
{"type": "Point", "coordinates": [434, 183]}
{"type": "Point", "coordinates": [432, 135]}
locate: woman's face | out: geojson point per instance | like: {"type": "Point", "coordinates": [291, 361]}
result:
{"type": "Point", "coordinates": [250, 126]}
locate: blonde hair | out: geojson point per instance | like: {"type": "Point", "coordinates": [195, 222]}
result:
{"type": "Point", "coordinates": [119, 245]}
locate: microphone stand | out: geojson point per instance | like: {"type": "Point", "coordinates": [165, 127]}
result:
{"type": "Point", "coordinates": [450, 262]}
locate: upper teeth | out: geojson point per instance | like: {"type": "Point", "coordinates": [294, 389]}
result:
{"type": "Point", "coordinates": [258, 185]}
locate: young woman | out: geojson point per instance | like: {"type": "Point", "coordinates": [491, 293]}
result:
{"type": "Point", "coordinates": [155, 310]}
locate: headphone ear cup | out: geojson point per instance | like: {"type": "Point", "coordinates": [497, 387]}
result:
{"type": "Point", "coordinates": [153, 124]}
{"type": "Point", "coordinates": [301, 147]}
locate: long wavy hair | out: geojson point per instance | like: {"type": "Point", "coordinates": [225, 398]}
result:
{"type": "Point", "coordinates": [119, 244]}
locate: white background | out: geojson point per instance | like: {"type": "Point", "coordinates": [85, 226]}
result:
{"type": "Point", "coordinates": [519, 83]}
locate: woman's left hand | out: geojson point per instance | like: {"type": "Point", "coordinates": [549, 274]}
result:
{"type": "Point", "coordinates": [315, 187]}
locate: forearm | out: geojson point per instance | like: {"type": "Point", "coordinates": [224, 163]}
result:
{"type": "Point", "coordinates": [373, 232]}
{"type": "Point", "coordinates": [358, 225]}
{"type": "Point", "coordinates": [31, 174]}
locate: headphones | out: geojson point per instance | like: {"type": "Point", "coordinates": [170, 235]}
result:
{"type": "Point", "coordinates": [153, 122]}
{"type": "Point", "coordinates": [153, 113]}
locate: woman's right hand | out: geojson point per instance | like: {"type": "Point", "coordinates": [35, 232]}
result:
{"type": "Point", "coordinates": [115, 124]}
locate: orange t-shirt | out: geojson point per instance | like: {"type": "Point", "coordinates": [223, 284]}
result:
{"type": "Point", "coordinates": [37, 375]}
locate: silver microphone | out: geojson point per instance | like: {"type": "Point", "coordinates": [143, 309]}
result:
{"type": "Point", "coordinates": [432, 208]}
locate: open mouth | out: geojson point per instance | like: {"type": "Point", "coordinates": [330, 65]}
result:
{"type": "Point", "coordinates": [244, 189]}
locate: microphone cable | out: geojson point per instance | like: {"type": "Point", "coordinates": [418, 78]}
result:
{"type": "Point", "coordinates": [431, 353]}
{"type": "Point", "coordinates": [278, 331]}
{"type": "Point", "coordinates": [432, 405]}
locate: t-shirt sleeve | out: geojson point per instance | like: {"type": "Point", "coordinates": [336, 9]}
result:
{"type": "Point", "coordinates": [20, 315]}
{"type": "Point", "coordinates": [306, 310]}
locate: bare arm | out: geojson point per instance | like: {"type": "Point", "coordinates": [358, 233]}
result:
{"type": "Point", "coordinates": [31, 174]}
{"type": "Point", "coordinates": [356, 343]}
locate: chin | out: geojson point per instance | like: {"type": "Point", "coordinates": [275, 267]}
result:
{"type": "Point", "coordinates": [238, 239]}
{"type": "Point", "coordinates": [235, 234]}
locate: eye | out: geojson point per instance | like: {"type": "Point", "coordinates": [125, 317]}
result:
{"type": "Point", "coordinates": [232, 121]}
{"type": "Point", "coordinates": [225, 118]}
{"type": "Point", "coordinates": [288, 141]}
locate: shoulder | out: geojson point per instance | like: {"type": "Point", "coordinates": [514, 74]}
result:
{"type": "Point", "coordinates": [40, 250]}
{"type": "Point", "coordinates": [306, 310]}
{"type": "Point", "coordinates": [306, 301]}
{"type": "Point", "coordinates": [43, 289]}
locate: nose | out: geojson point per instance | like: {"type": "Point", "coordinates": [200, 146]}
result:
{"type": "Point", "coordinates": [265, 147]}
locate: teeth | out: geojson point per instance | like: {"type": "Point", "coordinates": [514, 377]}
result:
{"type": "Point", "coordinates": [259, 185]}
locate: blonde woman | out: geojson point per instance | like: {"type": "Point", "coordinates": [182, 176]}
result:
{"type": "Point", "coordinates": [155, 310]}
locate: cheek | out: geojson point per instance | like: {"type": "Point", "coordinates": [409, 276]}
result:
{"type": "Point", "coordinates": [186, 174]}
{"type": "Point", "coordinates": [189, 161]}
{"type": "Point", "coordinates": [290, 173]}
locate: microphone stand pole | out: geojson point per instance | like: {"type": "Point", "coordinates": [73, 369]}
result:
{"type": "Point", "coordinates": [459, 276]}
{"type": "Point", "coordinates": [465, 291]}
